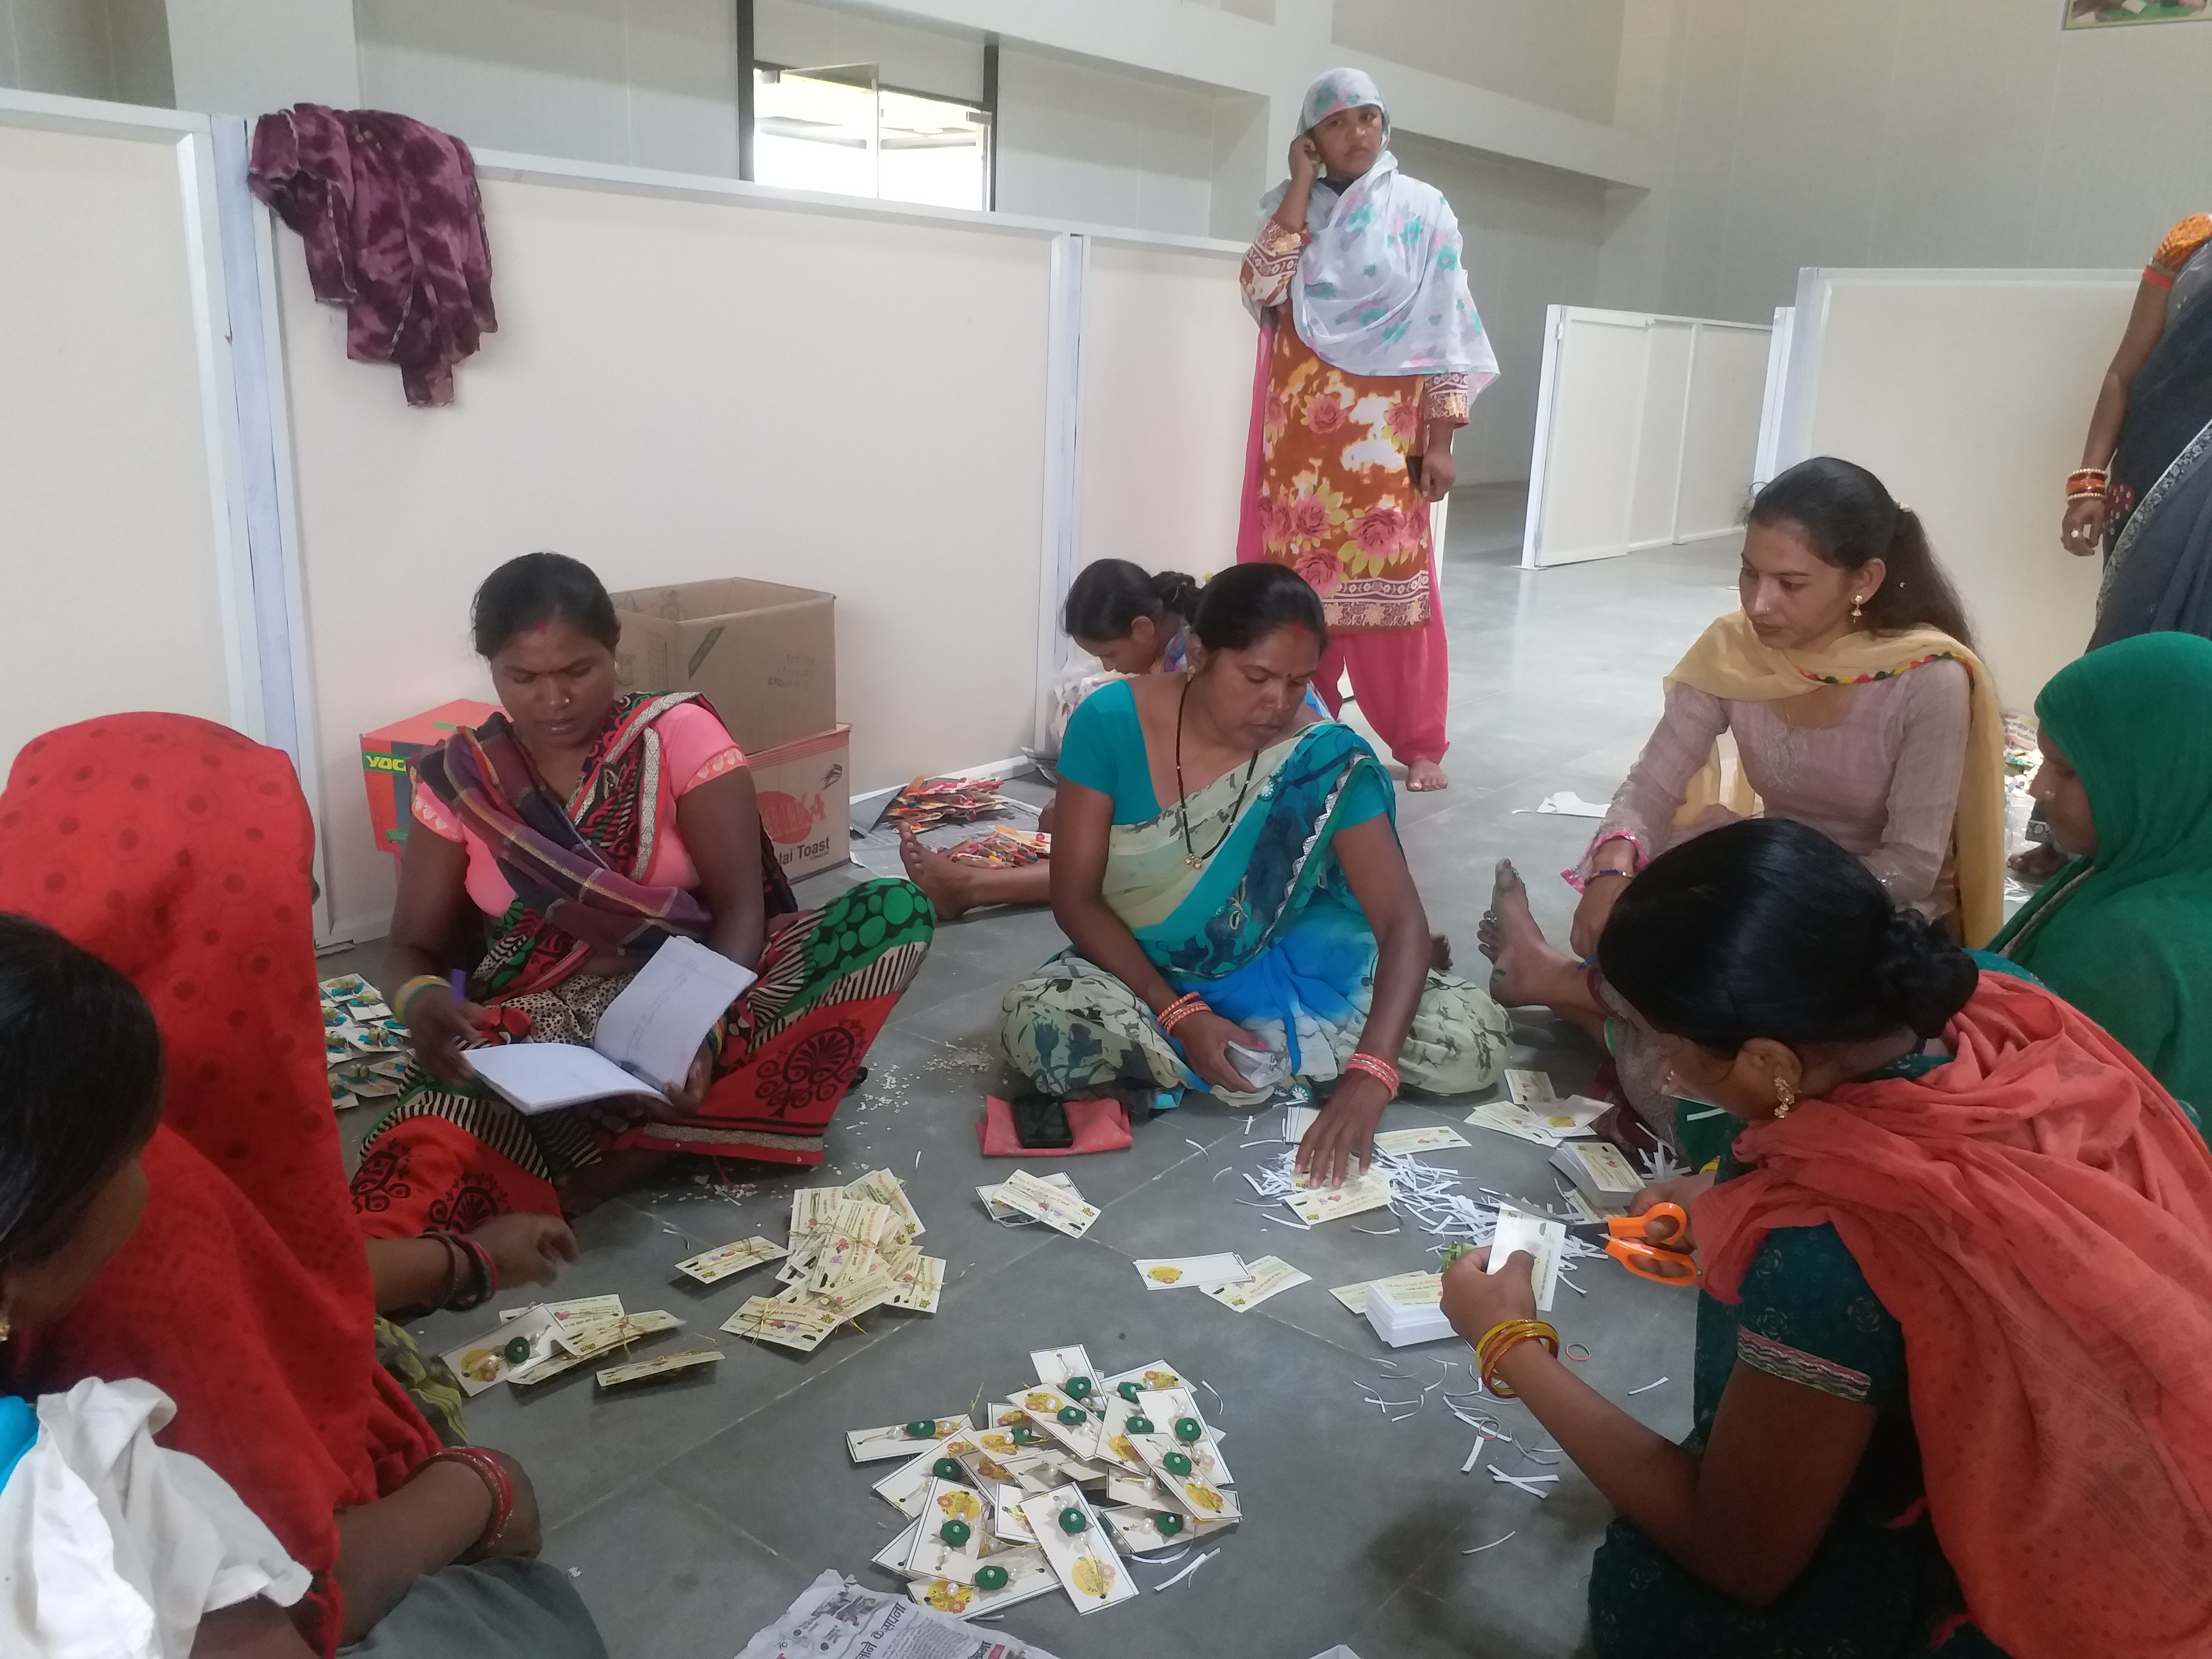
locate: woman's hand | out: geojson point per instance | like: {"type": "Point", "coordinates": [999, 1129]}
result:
{"type": "Point", "coordinates": [684, 1098]}
{"type": "Point", "coordinates": [441, 1028]}
{"type": "Point", "coordinates": [1439, 473]}
{"type": "Point", "coordinates": [1305, 161]}
{"type": "Point", "coordinates": [525, 1532]}
{"type": "Point", "coordinates": [1344, 1132]}
{"type": "Point", "coordinates": [1475, 1298]}
{"type": "Point", "coordinates": [1684, 1190]}
{"type": "Point", "coordinates": [1045, 814]}
{"type": "Point", "coordinates": [1205, 1036]}
{"type": "Point", "coordinates": [1599, 895]}
{"type": "Point", "coordinates": [527, 1249]}
{"type": "Point", "coordinates": [2083, 529]}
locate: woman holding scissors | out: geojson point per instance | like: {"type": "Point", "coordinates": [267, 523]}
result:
{"type": "Point", "coordinates": [1950, 1393]}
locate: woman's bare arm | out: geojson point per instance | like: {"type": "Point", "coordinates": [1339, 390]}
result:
{"type": "Point", "coordinates": [252, 1629]}
{"type": "Point", "coordinates": [720, 821]}
{"type": "Point", "coordinates": [2145, 323]}
{"type": "Point", "coordinates": [432, 878]}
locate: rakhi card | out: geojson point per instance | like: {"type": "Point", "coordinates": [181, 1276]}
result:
{"type": "Point", "coordinates": [663, 1365]}
{"type": "Point", "coordinates": [1137, 1530]}
{"type": "Point", "coordinates": [1543, 1240]}
{"type": "Point", "coordinates": [1353, 1297]}
{"type": "Point", "coordinates": [904, 1487]}
{"type": "Point", "coordinates": [1138, 1492]}
{"type": "Point", "coordinates": [1429, 1138]}
{"type": "Point", "coordinates": [893, 1555]}
{"type": "Point", "coordinates": [999, 1212]}
{"type": "Point", "coordinates": [920, 1285]}
{"type": "Point", "coordinates": [1061, 1209]}
{"type": "Point", "coordinates": [1169, 1406]}
{"type": "Point", "coordinates": [950, 1544]}
{"type": "Point", "coordinates": [580, 1311]}
{"type": "Point", "coordinates": [1368, 1190]}
{"type": "Point", "coordinates": [1297, 1119]}
{"type": "Point", "coordinates": [728, 1259]}
{"type": "Point", "coordinates": [898, 1440]}
{"type": "Point", "coordinates": [1045, 1408]}
{"type": "Point", "coordinates": [516, 1346]}
{"type": "Point", "coordinates": [1029, 1575]}
{"type": "Point", "coordinates": [985, 1468]}
{"type": "Point", "coordinates": [584, 1341]}
{"type": "Point", "coordinates": [1080, 1548]}
{"type": "Point", "coordinates": [1191, 1272]}
{"type": "Point", "coordinates": [812, 1207]}
{"type": "Point", "coordinates": [1006, 1522]}
{"type": "Point", "coordinates": [1189, 1489]}
{"type": "Point", "coordinates": [1155, 1374]}
{"type": "Point", "coordinates": [1521, 1124]}
{"type": "Point", "coordinates": [1271, 1275]}
{"type": "Point", "coordinates": [1530, 1088]}
{"type": "Point", "coordinates": [1113, 1434]}
{"type": "Point", "coordinates": [784, 1323]}
{"type": "Point", "coordinates": [882, 1186]}
{"type": "Point", "coordinates": [1056, 1367]}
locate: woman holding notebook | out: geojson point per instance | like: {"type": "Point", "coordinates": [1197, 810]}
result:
{"type": "Point", "coordinates": [567, 839]}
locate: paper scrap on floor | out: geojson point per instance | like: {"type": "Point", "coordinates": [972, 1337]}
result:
{"type": "Point", "coordinates": [835, 1618]}
{"type": "Point", "coordinates": [1567, 804]}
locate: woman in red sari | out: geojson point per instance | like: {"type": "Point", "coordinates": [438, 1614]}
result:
{"type": "Point", "coordinates": [179, 852]}
{"type": "Point", "coordinates": [586, 827]}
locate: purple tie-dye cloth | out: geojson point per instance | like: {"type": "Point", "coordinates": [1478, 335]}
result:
{"type": "Point", "coordinates": [393, 226]}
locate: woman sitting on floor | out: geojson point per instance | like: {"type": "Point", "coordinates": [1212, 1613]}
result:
{"type": "Point", "coordinates": [1951, 1393]}
{"type": "Point", "coordinates": [1849, 682]}
{"type": "Point", "coordinates": [1226, 863]}
{"type": "Point", "coordinates": [585, 827]}
{"type": "Point", "coordinates": [2124, 930]}
{"type": "Point", "coordinates": [178, 852]}
{"type": "Point", "coordinates": [1133, 623]}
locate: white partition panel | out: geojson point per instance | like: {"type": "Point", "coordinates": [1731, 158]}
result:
{"type": "Point", "coordinates": [1168, 357]}
{"type": "Point", "coordinates": [1968, 392]}
{"type": "Point", "coordinates": [123, 582]}
{"type": "Point", "coordinates": [1646, 428]}
{"type": "Point", "coordinates": [689, 381]}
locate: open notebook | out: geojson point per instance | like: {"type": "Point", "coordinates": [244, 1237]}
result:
{"type": "Point", "coordinates": [646, 1041]}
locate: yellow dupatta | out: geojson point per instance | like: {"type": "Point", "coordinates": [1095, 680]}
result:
{"type": "Point", "coordinates": [1729, 661]}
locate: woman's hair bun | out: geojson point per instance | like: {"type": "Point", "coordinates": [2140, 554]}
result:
{"type": "Point", "coordinates": [1921, 977]}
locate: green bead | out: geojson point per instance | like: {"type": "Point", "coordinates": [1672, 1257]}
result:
{"type": "Point", "coordinates": [946, 1469]}
{"type": "Point", "coordinates": [1025, 1437]}
{"type": "Point", "coordinates": [1176, 1463]}
{"type": "Point", "coordinates": [1128, 1391]}
{"type": "Point", "coordinates": [922, 1428]}
{"type": "Point", "coordinates": [1079, 1387]}
{"type": "Point", "coordinates": [1188, 1428]}
{"type": "Point", "coordinates": [1138, 1425]}
{"type": "Point", "coordinates": [518, 1351]}
{"type": "Point", "coordinates": [1072, 1519]}
{"type": "Point", "coordinates": [954, 1532]}
{"type": "Point", "coordinates": [1071, 1415]}
{"type": "Point", "coordinates": [1170, 1525]}
{"type": "Point", "coordinates": [990, 1579]}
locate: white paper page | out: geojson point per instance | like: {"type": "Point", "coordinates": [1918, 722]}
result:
{"type": "Point", "coordinates": [654, 1027]}
{"type": "Point", "coordinates": [544, 1077]}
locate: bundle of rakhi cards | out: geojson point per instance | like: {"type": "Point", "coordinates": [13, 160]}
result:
{"type": "Point", "coordinates": [1058, 1488]}
{"type": "Point", "coordinates": [927, 802]}
{"type": "Point", "coordinates": [365, 1048]}
{"type": "Point", "coordinates": [852, 1249]}
{"type": "Point", "coordinates": [1003, 849]}
{"type": "Point", "coordinates": [547, 1339]}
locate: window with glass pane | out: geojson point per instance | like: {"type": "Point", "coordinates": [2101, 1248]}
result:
{"type": "Point", "coordinates": [837, 128]}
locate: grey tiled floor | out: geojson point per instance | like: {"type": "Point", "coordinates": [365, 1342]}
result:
{"type": "Point", "coordinates": [692, 1512]}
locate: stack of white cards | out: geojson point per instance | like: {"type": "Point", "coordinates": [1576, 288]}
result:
{"type": "Point", "coordinates": [852, 1250]}
{"type": "Point", "coordinates": [1536, 1113]}
{"type": "Point", "coordinates": [1408, 1309]}
{"type": "Point", "coordinates": [1606, 1178]}
{"type": "Point", "coordinates": [1064, 1481]}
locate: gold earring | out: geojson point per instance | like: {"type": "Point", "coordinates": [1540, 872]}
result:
{"type": "Point", "coordinates": [6, 1327]}
{"type": "Point", "coordinates": [1784, 1097]}
{"type": "Point", "coordinates": [1858, 607]}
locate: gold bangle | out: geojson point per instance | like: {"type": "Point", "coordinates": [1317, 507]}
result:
{"type": "Point", "coordinates": [407, 991]}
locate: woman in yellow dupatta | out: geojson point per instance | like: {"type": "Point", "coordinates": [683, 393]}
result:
{"type": "Point", "coordinates": [1849, 683]}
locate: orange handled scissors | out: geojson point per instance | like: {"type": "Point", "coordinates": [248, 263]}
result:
{"type": "Point", "coordinates": [1665, 1261]}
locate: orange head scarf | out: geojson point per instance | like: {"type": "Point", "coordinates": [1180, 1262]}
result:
{"type": "Point", "coordinates": [2038, 1216]}
{"type": "Point", "coordinates": [179, 851]}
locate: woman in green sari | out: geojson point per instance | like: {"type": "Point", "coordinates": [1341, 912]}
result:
{"type": "Point", "coordinates": [1225, 863]}
{"type": "Point", "coordinates": [2123, 930]}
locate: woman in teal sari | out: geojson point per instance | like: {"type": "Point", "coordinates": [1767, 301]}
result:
{"type": "Point", "coordinates": [2123, 930]}
{"type": "Point", "coordinates": [1225, 863]}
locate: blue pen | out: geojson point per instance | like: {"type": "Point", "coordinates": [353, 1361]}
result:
{"type": "Point", "coordinates": [460, 980]}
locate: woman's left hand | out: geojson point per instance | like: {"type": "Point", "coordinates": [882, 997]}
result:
{"type": "Point", "coordinates": [1340, 1143]}
{"type": "Point", "coordinates": [1475, 1298]}
{"type": "Point", "coordinates": [1438, 472]}
{"type": "Point", "coordinates": [685, 1097]}
{"type": "Point", "coordinates": [626, 1111]}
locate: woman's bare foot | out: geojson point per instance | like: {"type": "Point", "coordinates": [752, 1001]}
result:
{"type": "Point", "coordinates": [1528, 969]}
{"type": "Point", "coordinates": [1425, 776]}
{"type": "Point", "coordinates": [950, 886]}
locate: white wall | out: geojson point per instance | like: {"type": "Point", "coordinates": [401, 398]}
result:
{"type": "Point", "coordinates": [1562, 54]}
{"type": "Point", "coordinates": [113, 49]}
{"type": "Point", "coordinates": [1899, 134]}
{"type": "Point", "coordinates": [1078, 141]}
{"type": "Point", "coordinates": [1532, 236]}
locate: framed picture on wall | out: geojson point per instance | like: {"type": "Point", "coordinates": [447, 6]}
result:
{"type": "Point", "coordinates": [2101, 13]}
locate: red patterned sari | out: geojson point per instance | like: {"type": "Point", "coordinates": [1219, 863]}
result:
{"type": "Point", "coordinates": [787, 1051]}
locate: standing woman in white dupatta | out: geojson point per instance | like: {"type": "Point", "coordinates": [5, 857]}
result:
{"type": "Point", "coordinates": [1370, 350]}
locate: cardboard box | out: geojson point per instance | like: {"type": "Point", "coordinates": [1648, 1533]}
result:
{"type": "Point", "coordinates": [805, 799]}
{"type": "Point", "coordinates": [385, 753]}
{"type": "Point", "coordinates": [764, 654]}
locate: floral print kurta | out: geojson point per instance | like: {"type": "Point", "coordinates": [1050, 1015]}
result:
{"type": "Point", "coordinates": [1336, 502]}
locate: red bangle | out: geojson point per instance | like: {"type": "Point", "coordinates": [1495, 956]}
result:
{"type": "Point", "coordinates": [501, 1485]}
{"type": "Point", "coordinates": [1381, 1070]}
{"type": "Point", "coordinates": [1179, 1010]}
